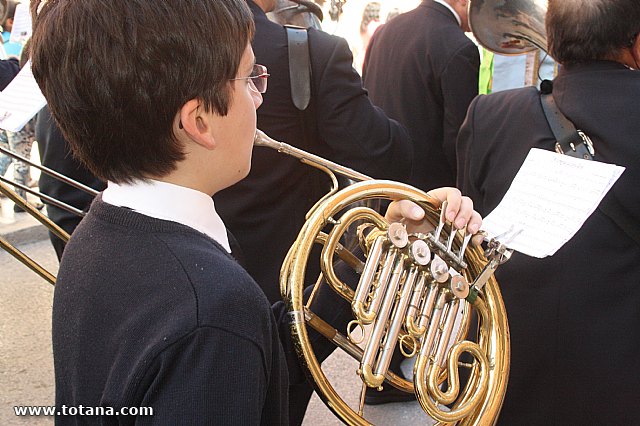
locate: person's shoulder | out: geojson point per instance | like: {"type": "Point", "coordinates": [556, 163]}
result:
{"type": "Point", "coordinates": [229, 299]}
{"type": "Point", "coordinates": [507, 98]}
{"type": "Point", "coordinates": [328, 51]}
{"type": "Point", "coordinates": [205, 262]}
{"type": "Point", "coordinates": [322, 39]}
{"type": "Point", "coordinates": [223, 288]}
{"type": "Point", "coordinates": [264, 25]}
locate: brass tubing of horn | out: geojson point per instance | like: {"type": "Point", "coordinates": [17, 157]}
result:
{"type": "Point", "coordinates": [333, 240]}
{"type": "Point", "coordinates": [429, 303]}
{"type": "Point", "coordinates": [426, 347]}
{"type": "Point", "coordinates": [429, 386]}
{"type": "Point", "coordinates": [493, 339]}
{"type": "Point", "coordinates": [366, 280]}
{"type": "Point", "coordinates": [344, 254]}
{"type": "Point", "coordinates": [384, 277]}
{"type": "Point", "coordinates": [369, 365]}
{"type": "Point", "coordinates": [393, 330]}
{"type": "Point", "coordinates": [353, 350]}
{"type": "Point", "coordinates": [445, 337]}
{"type": "Point", "coordinates": [51, 172]}
{"type": "Point", "coordinates": [27, 261]}
{"type": "Point", "coordinates": [261, 139]}
{"type": "Point", "coordinates": [59, 232]}
{"type": "Point", "coordinates": [411, 322]}
{"type": "Point", "coordinates": [49, 200]}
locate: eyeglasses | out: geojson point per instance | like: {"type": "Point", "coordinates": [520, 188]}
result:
{"type": "Point", "coordinates": [258, 78]}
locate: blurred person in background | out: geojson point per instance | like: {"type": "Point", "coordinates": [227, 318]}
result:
{"type": "Point", "coordinates": [422, 70]}
{"type": "Point", "coordinates": [12, 48]}
{"type": "Point", "coordinates": [266, 210]}
{"type": "Point", "coordinates": [21, 142]}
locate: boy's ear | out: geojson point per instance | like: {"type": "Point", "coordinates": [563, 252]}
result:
{"type": "Point", "coordinates": [195, 122]}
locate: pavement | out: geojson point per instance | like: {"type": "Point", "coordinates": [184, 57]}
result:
{"type": "Point", "coordinates": [26, 362]}
{"type": "Point", "coordinates": [19, 228]}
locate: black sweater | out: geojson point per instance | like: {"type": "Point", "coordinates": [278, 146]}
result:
{"type": "Point", "coordinates": [149, 312]}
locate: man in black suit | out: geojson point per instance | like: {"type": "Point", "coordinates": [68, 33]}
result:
{"type": "Point", "coordinates": [574, 317]}
{"type": "Point", "coordinates": [267, 208]}
{"type": "Point", "coordinates": [422, 70]}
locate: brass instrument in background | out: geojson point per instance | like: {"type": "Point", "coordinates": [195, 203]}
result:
{"type": "Point", "coordinates": [43, 219]}
{"type": "Point", "coordinates": [509, 27]}
{"type": "Point", "coordinates": [411, 289]}
{"type": "Point", "coordinates": [300, 13]}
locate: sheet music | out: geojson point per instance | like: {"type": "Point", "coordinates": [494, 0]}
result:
{"type": "Point", "coordinates": [20, 100]}
{"type": "Point", "coordinates": [549, 200]}
{"type": "Point", "coordinates": [21, 30]}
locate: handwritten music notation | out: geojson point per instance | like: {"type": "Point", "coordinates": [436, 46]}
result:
{"type": "Point", "coordinates": [20, 100]}
{"type": "Point", "coordinates": [549, 200]}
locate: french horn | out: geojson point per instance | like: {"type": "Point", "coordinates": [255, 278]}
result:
{"type": "Point", "coordinates": [410, 292]}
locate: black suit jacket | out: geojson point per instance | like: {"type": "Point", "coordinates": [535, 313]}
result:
{"type": "Point", "coordinates": [422, 70]}
{"type": "Point", "coordinates": [266, 210]}
{"type": "Point", "coordinates": [574, 317]}
{"type": "Point", "coordinates": [9, 68]}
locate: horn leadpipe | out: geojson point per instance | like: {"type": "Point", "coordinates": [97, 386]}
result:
{"type": "Point", "coordinates": [261, 139]}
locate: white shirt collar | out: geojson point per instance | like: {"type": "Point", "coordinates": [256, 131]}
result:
{"type": "Point", "coordinates": [448, 6]}
{"type": "Point", "coordinates": [167, 201]}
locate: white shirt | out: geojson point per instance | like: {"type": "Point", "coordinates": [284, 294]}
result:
{"type": "Point", "coordinates": [448, 6]}
{"type": "Point", "coordinates": [167, 201]}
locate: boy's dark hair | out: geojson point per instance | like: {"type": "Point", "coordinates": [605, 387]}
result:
{"type": "Point", "coordinates": [115, 74]}
{"type": "Point", "coordinates": [585, 30]}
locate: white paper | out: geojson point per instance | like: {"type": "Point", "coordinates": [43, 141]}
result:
{"type": "Point", "coordinates": [549, 200]}
{"type": "Point", "coordinates": [20, 100]}
{"type": "Point", "coordinates": [21, 30]}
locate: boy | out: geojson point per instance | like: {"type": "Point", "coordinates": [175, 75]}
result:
{"type": "Point", "coordinates": [159, 99]}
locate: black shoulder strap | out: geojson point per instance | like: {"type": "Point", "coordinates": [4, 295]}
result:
{"type": "Point", "coordinates": [299, 66]}
{"type": "Point", "coordinates": [574, 143]}
{"type": "Point", "coordinates": [569, 141]}
{"type": "Point", "coordinates": [300, 76]}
